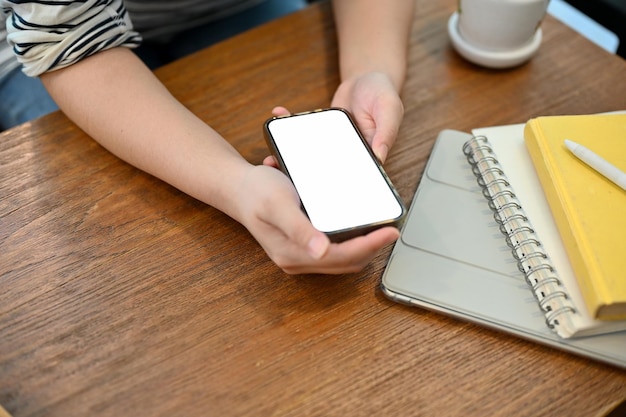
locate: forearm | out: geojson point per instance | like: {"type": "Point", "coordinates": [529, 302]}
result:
{"type": "Point", "coordinates": [115, 99]}
{"type": "Point", "coordinates": [373, 37]}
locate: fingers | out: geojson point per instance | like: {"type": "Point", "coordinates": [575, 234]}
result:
{"type": "Point", "coordinates": [270, 161]}
{"type": "Point", "coordinates": [347, 257]}
{"type": "Point", "coordinates": [300, 231]}
{"type": "Point", "coordinates": [277, 111]}
{"type": "Point", "coordinates": [299, 248]}
{"type": "Point", "coordinates": [360, 250]}
{"type": "Point", "coordinates": [280, 111]}
{"type": "Point", "coordinates": [387, 127]}
{"type": "Point", "coordinates": [376, 106]}
{"type": "Point", "coordinates": [381, 151]}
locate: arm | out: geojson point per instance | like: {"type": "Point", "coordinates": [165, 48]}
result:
{"type": "Point", "coordinates": [108, 92]}
{"type": "Point", "coordinates": [373, 40]}
{"type": "Point", "coordinates": [373, 37]}
{"type": "Point", "coordinates": [115, 99]}
{"type": "Point", "coordinates": [151, 130]}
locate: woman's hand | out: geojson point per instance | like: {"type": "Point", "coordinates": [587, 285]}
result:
{"type": "Point", "coordinates": [376, 108]}
{"type": "Point", "coordinates": [374, 105]}
{"type": "Point", "coordinates": [270, 210]}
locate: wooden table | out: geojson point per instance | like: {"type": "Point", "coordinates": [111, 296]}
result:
{"type": "Point", "coordinates": [121, 296]}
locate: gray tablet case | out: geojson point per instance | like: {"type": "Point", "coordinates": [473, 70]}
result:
{"type": "Point", "coordinates": [453, 259]}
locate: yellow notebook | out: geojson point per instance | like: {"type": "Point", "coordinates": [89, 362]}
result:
{"type": "Point", "coordinates": [589, 210]}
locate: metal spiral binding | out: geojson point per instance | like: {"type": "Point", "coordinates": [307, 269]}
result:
{"type": "Point", "coordinates": [519, 234]}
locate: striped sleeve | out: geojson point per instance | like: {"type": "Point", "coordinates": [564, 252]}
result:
{"type": "Point", "coordinates": [52, 34]}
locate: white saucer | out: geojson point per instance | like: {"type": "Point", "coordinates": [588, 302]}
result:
{"type": "Point", "coordinates": [491, 59]}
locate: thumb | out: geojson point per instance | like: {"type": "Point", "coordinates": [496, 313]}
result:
{"type": "Point", "coordinates": [298, 228]}
{"type": "Point", "coordinates": [317, 245]}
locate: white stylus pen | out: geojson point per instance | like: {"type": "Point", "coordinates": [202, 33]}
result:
{"type": "Point", "coordinates": [598, 163]}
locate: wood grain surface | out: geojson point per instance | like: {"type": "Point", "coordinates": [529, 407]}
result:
{"type": "Point", "coordinates": [121, 296]}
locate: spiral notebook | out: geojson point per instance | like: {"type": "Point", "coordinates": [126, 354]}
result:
{"type": "Point", "coordinates": [488, 251]}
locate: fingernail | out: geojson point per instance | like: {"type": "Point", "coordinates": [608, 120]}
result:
{"type": "Point", "coordinates": [383, 150]}
{"type": "Point", "coordinates": [318, 245]}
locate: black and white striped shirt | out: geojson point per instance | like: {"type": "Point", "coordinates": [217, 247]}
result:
{"type": "Point", "coordinates": [52, 34]}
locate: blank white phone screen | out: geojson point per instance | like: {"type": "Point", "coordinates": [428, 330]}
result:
{"type": "Point", "coordinates": [339, 184]}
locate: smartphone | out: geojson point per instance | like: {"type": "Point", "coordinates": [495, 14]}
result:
{"type": "Point", "coordinates": [342, 186]}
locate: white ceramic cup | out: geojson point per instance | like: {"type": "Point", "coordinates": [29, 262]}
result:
{"type": "Point", "coordinates": [500, 25]}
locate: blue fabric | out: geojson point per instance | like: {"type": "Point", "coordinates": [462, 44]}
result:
{"type": "Point", "coordinates": [156, 54]}
{"type": "Point", "coordinates": [24, 98]}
